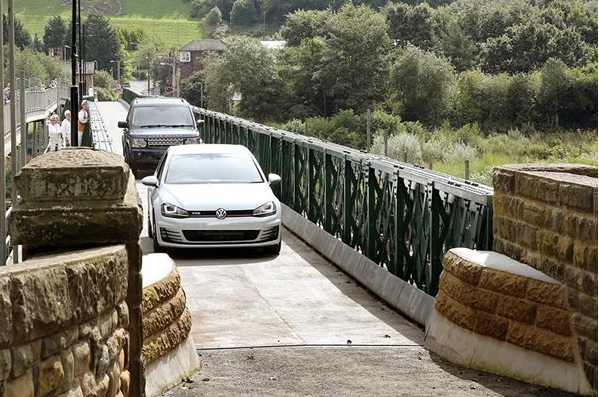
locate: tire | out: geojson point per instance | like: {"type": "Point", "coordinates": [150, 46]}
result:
{"type": "Point", "coordinates": [273, 249]}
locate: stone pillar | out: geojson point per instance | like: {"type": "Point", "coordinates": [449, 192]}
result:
{"type": "Point", "coordinates": [77, 198]}
{"type": "Point", "coordinates": [546, 216]}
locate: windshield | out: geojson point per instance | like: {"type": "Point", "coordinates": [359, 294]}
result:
{"type": "Point", "coordinates": [212, 168]}
{"type": "Point", "coordinates": [162, 116]}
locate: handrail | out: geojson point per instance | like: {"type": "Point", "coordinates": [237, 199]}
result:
{"type": "Point", "coordinates": [39, 102]}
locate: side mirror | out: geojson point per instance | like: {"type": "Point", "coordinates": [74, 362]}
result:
{"type": "Point", "coordinates": [272, 179]}
{"type": "Point", "coordinates": [123, 124]}
{"type": "Point", "coordinates": [200, 123]}
{"type": "Point", "coordinates": [150, 181]}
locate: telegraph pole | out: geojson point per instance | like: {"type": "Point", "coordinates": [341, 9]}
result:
{"type": "Point", "coordinates": [74, 91]}
{"type": "Point", "coordinates": [13, 98]}
{"type": "Point", "coordinates": [80, 53]}
{"type": "Point", "coordinates": [3, 247]}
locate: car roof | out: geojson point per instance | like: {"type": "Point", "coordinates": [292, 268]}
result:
{"type": "Point", "coordinates": [209, 149]}
{"type": "Point", "coordinates": [152, 101]}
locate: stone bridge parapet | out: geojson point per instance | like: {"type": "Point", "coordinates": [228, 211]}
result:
{"type": "Point", "coordinates": [73, 307]}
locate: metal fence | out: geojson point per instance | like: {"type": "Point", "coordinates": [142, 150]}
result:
{"type": "Point", "coordinates": [401, 216]}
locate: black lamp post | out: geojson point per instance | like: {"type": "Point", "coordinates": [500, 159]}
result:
{"type": "Point", "coordinates": [74, 90]}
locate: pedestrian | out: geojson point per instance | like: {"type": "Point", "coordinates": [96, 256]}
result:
{"type": "Point", "coordinates": [7, 93]}
{"type": "Point", "coordinates": [65, 127]}
{"type": "Point", "coordinates": [54, 134]}
{"type": "Point", "coordinates": [82, 120]}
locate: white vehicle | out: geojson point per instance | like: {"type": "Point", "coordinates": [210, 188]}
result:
{"type": "Point", "coordinates": [206, 196]}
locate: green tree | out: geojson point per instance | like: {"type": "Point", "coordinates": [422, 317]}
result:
{"type": "Point", "coordinates": [246, 68]}
{"type": "Point", "coordinates": [450, 41]}
{"type": "Point", "coordinates": [244, 12]}
{"type": "Point", "coordinates": [214, 17]}
{"type": "Point", "coordinates": [305, 25]}
{"type": "Point", "coordinates": [37, 65]}
{"type": "Point", "coordinates": [54, 32]}
{"type": "Point", "coordinates": [192, 88]}
{"type": "Point", "coordinates": [299, 68]}
{"type": "Point", "coordinates": [528, 46]}
{"type": "Point", "coordinates": [354, 67]}
{"type": "Point", "coordinates": [410, 24]}
{"type": "Point", "coordinates": [420, 86]}
{"type": "Point", "coordinates": [22, 36]}
{"type": "Point", "coordinates": [552, 92]}
{"type": "Point", "coordinates": [37, 44]}
{"type": "Point", "coordinates": [105, 86]}
{"type": "Point", "coordinates": [101, 41]}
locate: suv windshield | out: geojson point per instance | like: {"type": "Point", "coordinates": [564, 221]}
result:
{"type": "Point", "coordinates": [162, 116]}
{"type": "Point", "coordinates": [212, 168]}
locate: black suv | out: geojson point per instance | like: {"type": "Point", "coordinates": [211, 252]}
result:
{"type": "Point", "coordinates": [153, 124]}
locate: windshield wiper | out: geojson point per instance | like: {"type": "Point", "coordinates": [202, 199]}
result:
{"type": "Point", "coordinates": [154, 126]}
{"type": "Point", "coordinates": [179, 125]}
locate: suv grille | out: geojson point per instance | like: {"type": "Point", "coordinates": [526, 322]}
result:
{"type": "Point", "coordinates": [220, 235]}
{"type": "Point", "coordinates": [165, 141]}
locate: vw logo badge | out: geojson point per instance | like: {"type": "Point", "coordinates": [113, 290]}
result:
{"type": "Point", "coordinates": [221, 213]}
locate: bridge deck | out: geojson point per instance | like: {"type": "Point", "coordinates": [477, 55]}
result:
{"type": "Point", "coordinates": [280, 326]}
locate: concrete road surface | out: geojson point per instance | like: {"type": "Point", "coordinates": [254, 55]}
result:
{"type": "Point", "coordinates": [295, 325]}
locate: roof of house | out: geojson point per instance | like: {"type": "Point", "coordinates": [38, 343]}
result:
{"type": "Point", "coordinates": [205, 45]}
{"type": "Point", "coordinates": [274, 44]}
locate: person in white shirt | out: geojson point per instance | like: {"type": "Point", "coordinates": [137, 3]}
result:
{"type": "Point", "coordinates": [82, 120]}
{"type": "Point", "coordinates": [66, 127]}
{"type": "Point", "coordinates": [55, 140]}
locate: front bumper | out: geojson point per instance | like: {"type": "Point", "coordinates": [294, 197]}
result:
{"type": "Point", "coordinates": [214, 233]}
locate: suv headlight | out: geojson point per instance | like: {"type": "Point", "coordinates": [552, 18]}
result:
{"type": "Point", "coordinates": [172, 211]}
{"type": "Point", "coordinates": [138, 142]}
{"type": "Point", "coordinates": [192, 140]}
{"type": "Point", "coordinates": [266, 209]}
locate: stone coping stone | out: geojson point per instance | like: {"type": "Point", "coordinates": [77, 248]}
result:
{"type": "Point", "coordinates": [80, 223]}
{"type": "Point", "coordinates": [579, 169]}
{"type": "Point", "coordinates": [155, 267]}
{"type": "Point", "coordinates": [497, 261]}
{"type": "Point", "coordinates": [73, 174]}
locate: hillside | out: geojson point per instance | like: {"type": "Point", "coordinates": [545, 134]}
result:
{"type": "Point", "coordinates": [168, 19]}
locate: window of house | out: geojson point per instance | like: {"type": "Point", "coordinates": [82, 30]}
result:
{"type": "Point", "coordinates": [184, 56]}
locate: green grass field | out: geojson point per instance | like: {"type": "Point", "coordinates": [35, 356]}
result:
{"type": "Point", "coordinates": [168, 19]}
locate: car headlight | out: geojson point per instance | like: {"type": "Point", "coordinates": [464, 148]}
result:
{"type": "Point", "coordinates": [266, 209]}
{"type": "Point", "coordinates": [172, 211]}
{"type": "Point", "coordinates": [192, 140]}
{"type": "Point", "coordinates": [138, 142]}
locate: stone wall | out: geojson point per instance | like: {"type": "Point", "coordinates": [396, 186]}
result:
{"type": "Point", "coordinates": [64, 325]}
{"type": "Point", "coordinates": [546, 216]}
{"type": "Point", "coordinates": [166, 318]}
{"type": "Point", "coordinates": [509, 307]}
{"type": "Point", "coordinates": [74, 199]}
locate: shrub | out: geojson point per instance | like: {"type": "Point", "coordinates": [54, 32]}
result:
{"type": "Point", "coordinates": [402, 146]}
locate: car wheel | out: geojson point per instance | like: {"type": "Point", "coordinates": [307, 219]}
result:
{"type": "Point", "coordinates": [273, 249]}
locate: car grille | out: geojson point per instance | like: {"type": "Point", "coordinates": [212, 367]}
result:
{"type": "Point", "coordinates": [220, 235]}
{"type": "Point", "coordinates": [165, 141]}
{"type": "Point", "coordinates": [230, 214]}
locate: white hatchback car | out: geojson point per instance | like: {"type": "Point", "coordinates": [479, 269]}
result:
{"type": "Point", "coordinates": [206, 196]}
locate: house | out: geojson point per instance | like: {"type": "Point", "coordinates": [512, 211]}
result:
{"type": "Point", "coordinates": [88, 71]}
{"type": "Point", "coordinates": [274, 44]}
{"type": "Point", "coordinates": [192, 54]}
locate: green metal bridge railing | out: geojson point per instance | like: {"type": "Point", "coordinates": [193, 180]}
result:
{"type": "Point", "coordinates": [401, 216]}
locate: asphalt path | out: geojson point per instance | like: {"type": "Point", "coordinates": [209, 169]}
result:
{"type": "Point", "coordinates": [296, 325]}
